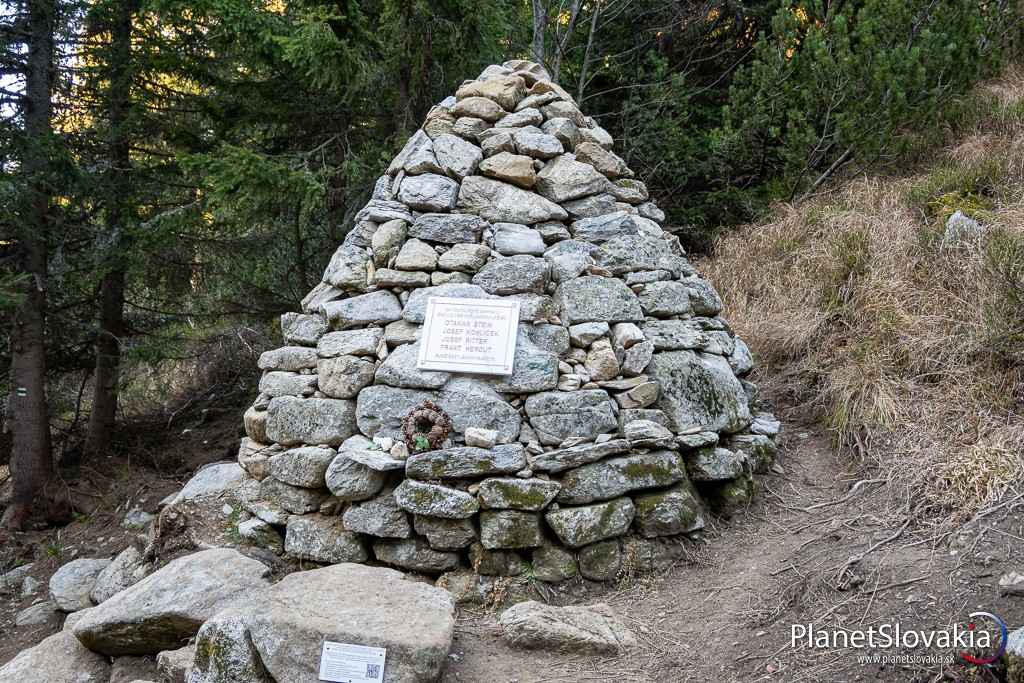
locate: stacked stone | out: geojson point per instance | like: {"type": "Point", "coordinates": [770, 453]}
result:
{"type": "Point", "coordinates": [626, 410]}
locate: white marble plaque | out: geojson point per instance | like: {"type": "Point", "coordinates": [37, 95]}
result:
{"type": "Point", "coordinates": [345, 663]}
{"type": "Point", "coordinates": [469, 335]}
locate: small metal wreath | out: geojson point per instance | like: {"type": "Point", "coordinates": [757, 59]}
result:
{"type": "Point", "coordinates": [426, 427]}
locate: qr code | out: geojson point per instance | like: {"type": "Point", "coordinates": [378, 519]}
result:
{"type": "Point", "coordinates": [373, 670]}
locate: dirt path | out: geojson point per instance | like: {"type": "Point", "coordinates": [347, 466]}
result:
{"type": "Point", "coordinates": [729, 618]}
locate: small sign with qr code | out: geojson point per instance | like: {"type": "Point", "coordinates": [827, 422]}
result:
{"type": "Point", "coordinates": [344, 663]}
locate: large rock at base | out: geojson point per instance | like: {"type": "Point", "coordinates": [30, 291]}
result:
{"type": "Point", "coordinates": [598, 299]}
{"type": "Point", "coordinates": [699, 389]}
{"type": "Point", "coordinates": [500, 202]}
{"type": "Point", "coordinates": [284, 627]}
{"type": "Point", "coordinates": [615, 476]}
{"type": "Point", "coordinates": [166, 608]}
{"type": "Point", "coordinates": [71, 584]}
{"type": "Point", "coordinates": [314, 421]}
{"type": "Point", "coordinates": [61, 658]}
{"type": "Point", "coordinates": [591, 628]}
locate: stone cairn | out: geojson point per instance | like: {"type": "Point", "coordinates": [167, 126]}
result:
{"type": "Point", "coordinates": [626, 412]}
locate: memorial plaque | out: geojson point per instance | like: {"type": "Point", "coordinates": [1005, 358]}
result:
{"type": "Point", "coordinates": [469, 335]}
{"type": "Point", "coordinates": [345, 663]}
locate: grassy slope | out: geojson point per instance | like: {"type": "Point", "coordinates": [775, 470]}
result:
{"type": "Point", "coordinates": [910, 349]}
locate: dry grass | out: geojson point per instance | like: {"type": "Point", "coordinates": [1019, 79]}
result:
{"type": "Point", "coordinates": [910, 349]}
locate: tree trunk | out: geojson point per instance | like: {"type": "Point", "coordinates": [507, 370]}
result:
{"type": "Point", "coordinates": [106, 375]}
{"type": "Point", "coordinates": [540, 20]}
{"type": "Point", "coordinates": [595, 13]}
{"type": "Point", "coordinates": [103, 417]}
{"type": "Point", "coordinates": [28, 415]}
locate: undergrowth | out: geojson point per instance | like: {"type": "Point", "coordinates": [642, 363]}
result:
{"type": "Point", "coordinates": [909, 346]}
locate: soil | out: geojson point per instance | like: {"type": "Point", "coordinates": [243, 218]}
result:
{"type": "Point", "coordinates": [814, 547]}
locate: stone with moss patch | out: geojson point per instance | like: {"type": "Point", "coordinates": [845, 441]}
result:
{"type": "Point", "coordinates": [699, 389]}
{"type": "Point", "coordinates": [510, 529]}
{"type": "Point", "coordinates": [613, 477]}
{"type": "Point", "coordinates": [445, 534]}
{"type": "Point", "coordinates": [728, 498]}
{"type": "Point", "coordinates": [435, 500]}
{"type": "Point", "coordinates": [714, 464]}
{"type": "Point", "coordinates": [758, 449]}
{"type": "Point", "coordinates": [496, 562]}
{"type": "Point", "coordinates": [517, 494]}
{"type": "Point", "coordinates": [665, 513]}
{"type": "Point", "coordinates": [601, 561]}
{"type": "Point", "coordinates": [554, 563]}
{"type": "Point", "coordinates": [415, 554]}
{"type": "Point", "coordinates": [579, 526]}
{"type": "Point", "coordinates": [466, 462]}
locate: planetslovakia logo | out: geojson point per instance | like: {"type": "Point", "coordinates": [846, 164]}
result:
{"type": "Point", "coordinates": [1000, 648]}
{"type": "Point", "coordinates": [955, 641]}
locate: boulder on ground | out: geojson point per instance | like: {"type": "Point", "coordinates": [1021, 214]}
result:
{"type": "Point", "coordinates": [71, 584]}
{"type": "Point", "coordinates": [282, 629]}
{"type": "Point", "coordinates": [58, 659]}
{"type": "Point", "coordinates": [165, 609]}
{"type": "Point", "coordinates": [591, 628]}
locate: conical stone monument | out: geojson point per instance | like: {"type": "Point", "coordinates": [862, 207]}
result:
{"type": "Point", "coordinates": [508, 360]}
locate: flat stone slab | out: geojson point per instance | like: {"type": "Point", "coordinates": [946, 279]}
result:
{"type": "Point", "coordinates": [574, 456]}
{"type": "Point", "coordinates": [466, 462]}
{"type": "Point", "coordinates": [280, 631]}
